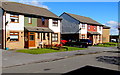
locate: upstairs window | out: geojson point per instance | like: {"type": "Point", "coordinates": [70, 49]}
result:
{"type": "Point", "coordinates": [43, 20]}
{"type": "Point", "coordinates": [100, 28]}
{"type": "Point", "coordinates": [88, 26]}
{"type": "Point", "coordinates": [14, 36]}
{"type": "Point", "coordinates": [14, 18]}
{"type": "Point", "coordinates": [30, 20]}
{"type": "Point", "coordinates": [94, 27]}
{"type": "Point", "coordinates": [55, 22]}
{"type": "Point", "coordinates": [83, 26]}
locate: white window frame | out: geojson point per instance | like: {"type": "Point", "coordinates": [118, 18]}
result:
{"type": "Point", "coordinates": [53, 23]}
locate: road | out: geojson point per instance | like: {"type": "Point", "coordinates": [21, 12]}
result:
{"type": "Point", "coordinates": [64, 65]}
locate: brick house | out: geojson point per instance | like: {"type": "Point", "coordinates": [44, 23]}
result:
{"type": "Point", "coordinates": [80, 27]}
{"type": "Point", "coordinates": [106, 34]}
{"type": "Point", "coordinates": [26, 26]}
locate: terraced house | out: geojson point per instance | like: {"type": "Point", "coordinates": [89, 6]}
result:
{"type": "Point", "coordinates": [80, 27]}
{"type": "Point", "coordinates": [26, 26]}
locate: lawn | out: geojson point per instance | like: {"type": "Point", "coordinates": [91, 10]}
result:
{"type": "Point", "coordinates": [109, 44]}
{"type": "Point", "coordinates": [45, 50]}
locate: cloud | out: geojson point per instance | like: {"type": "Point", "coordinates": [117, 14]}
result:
{"type": "Point", "coordinates": [34, 3]}
{"type": "Point", "coordinates": [114, 27]}
{"type": "Point", "coordinates": [112, 22]}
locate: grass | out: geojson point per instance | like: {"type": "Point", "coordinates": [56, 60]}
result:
{"type": "Point", "coordinates": [109, 44]}
{"type": "Point", "coordinates": [45, 50]}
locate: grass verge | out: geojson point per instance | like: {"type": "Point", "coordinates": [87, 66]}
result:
{"type": "Point", "coordinates": [45, 50]}
{"type": "Point", "coordinates": [109, 44]}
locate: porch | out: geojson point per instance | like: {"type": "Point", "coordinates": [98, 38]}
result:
{"type": "Point", "coordinates": [37, 37]}
{"type": "Point", "coordinates": [95, 37]}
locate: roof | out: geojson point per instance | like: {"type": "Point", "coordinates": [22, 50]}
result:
{"type": "Point", "coordinates": [38, 29]}
{"type": "Point", "coordinates": [94, 33]}
{"type": "Point", "coordinates": [27, 9]}
{"type": "Point", "coordinates": [83, 19]}
{"type": "Point", "coordinates": [106, 27]}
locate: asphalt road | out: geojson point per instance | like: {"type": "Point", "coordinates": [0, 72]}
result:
{"type": "Point", "coordinates": [64, 65]}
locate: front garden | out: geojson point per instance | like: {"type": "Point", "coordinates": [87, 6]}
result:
{"type": "Point", "coordinates": [49, 50]}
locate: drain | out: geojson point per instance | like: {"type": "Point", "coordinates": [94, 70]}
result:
{"type": "Point", "coordinates": [47, 69]}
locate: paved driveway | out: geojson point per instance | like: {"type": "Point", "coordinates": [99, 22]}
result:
{"type": "Point", "coordinates": [12, 58]}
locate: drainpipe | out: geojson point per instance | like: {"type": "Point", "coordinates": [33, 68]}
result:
{"type": "Point", "coordinates": [5, 31]}
{"type": "Point", "coordinates": [51, 39]}
{"type": "Point", "coordinates": [2, 32]}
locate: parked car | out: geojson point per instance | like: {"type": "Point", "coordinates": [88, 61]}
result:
{"type": "Point", "coordinates": [89, 42]}
{"type": "Point", "coordinates": [84, 43]}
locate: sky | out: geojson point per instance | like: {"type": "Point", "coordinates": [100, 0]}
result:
{"type": "Point", "coordinates": [104, 12]}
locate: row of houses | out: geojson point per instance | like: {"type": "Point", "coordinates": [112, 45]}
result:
{"type": "Point", "coordinates": [26, 26]}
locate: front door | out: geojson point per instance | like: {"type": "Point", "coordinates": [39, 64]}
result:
{"type": "Point", "coordinates": [31, 38]}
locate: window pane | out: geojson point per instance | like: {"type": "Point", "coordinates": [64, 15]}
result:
{"type": "Point", "coordinates": [31, 37]}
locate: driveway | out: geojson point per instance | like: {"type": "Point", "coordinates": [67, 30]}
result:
{"type": "Point", "coordinates": [12, 58]}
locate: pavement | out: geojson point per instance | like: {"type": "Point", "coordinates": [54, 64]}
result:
{"type": "Point", "coordinates": [12, 58]}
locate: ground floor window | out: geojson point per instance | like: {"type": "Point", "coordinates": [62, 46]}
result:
{"type": "Point", "coordinates": [14, 36]}
{"type": "Point", "coordinates": [54, 37]}
{"type": "Point", "coordinates": [83, 36]}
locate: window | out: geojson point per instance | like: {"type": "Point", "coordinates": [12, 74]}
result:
{"type": "Point", "coordinates": [14, 18]}
{"type": "Point", "coordinates": [55, 22]}
{"type": "Point", "coordinates": [32, 37]}
{"type": "Point", "coordinates": [83, 36]}
{"type": "Point", "coordinates": [88, 26]}
{"type": "Point", "coordinates": [55, 37]}
{"type": "Point", "coordinates": [43, 20]}
{"type": "Point", "coordinates": [83, 26]}
{"type": "Point", "coordinates": [14, 36]}
{"type": "Point", "coordinates": [94, 27]}
{"type": "Point", "coordinates": [44, 36]}
{"type": "Point", "coordinates": [100, 28]}
{"type": "Point", "coordinates": [30, 20]}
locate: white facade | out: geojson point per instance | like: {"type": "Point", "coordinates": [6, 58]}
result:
{"type": "Point", "coordinates": [83, 31]}
{"type": "Point", "coordinates": [99, 29]}
{"type": "Point", "coordinates": [54, 28]}
{"type": "Point", "coordinates": [14, 26]}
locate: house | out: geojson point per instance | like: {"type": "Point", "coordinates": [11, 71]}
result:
{"type": "Point", "coordinates": [80, 27]}
{"type": "Point", "coordinates": [26, 26]}
{"type": "Point", "coordinates": [106, 34]}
